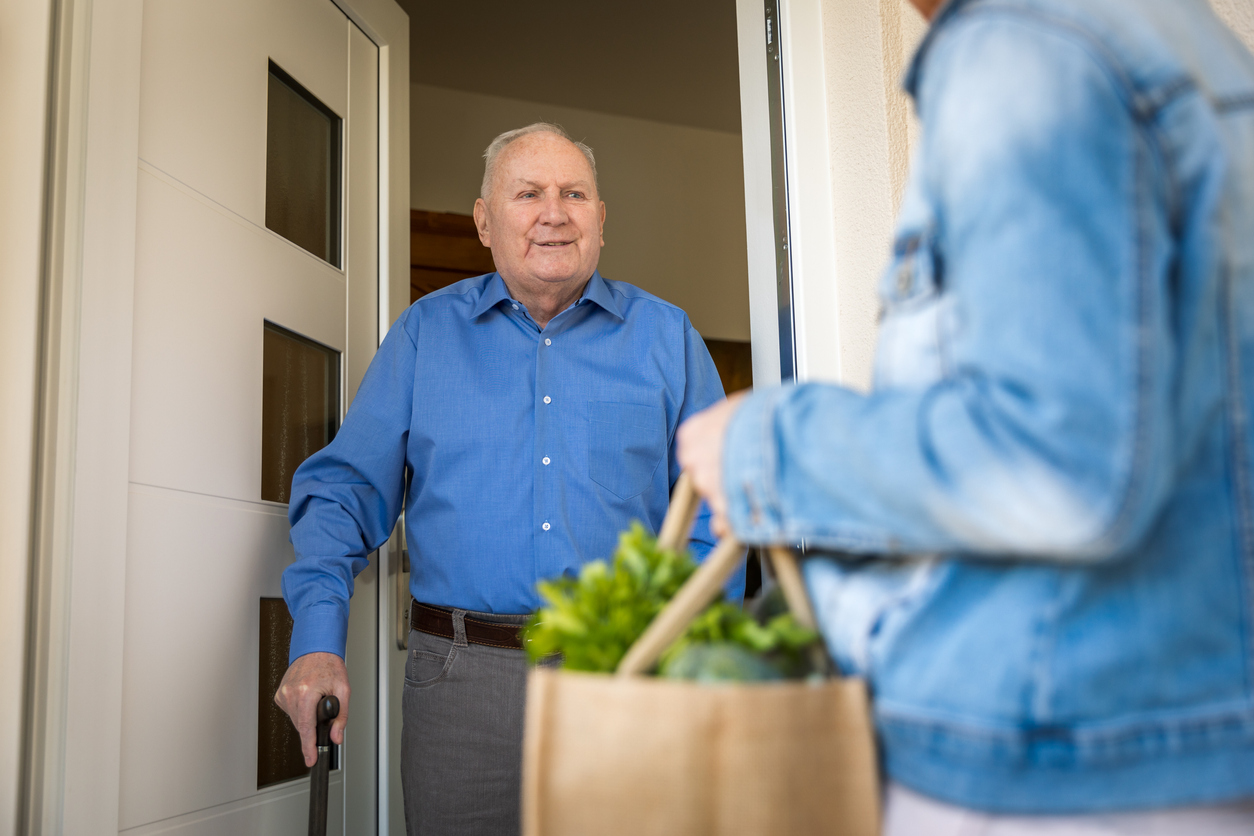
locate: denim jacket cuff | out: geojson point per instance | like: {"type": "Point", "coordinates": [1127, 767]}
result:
{"type": "Point", "coordinates": [321, 628]}
{"type": "Point", "coordinates": [749, 468]}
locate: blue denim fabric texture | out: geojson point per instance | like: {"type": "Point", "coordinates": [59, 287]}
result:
{"type": "Point", "coordinates": [526, 452]}
{"type": "Point", "coordinates": [1049, 486]}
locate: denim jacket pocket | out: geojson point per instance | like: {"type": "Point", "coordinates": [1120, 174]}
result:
{"type": "Point", "coordinates": [626, 442]}
{"type": "Point", "coordinates": [911, 349]}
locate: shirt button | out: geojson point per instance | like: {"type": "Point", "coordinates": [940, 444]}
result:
{"type": "Point", "coordinates": [547, 341]}
{"type": "Point", "coordinates": [547, 399]}
{"type": "Point", "coordinates": [545, 526]}
{"type": "Point", "coordinates": [545, 459]}
{"type": "Point", "coordinates": [515, 307]}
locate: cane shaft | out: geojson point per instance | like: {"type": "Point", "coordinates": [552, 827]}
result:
{"type": "Point", "coordinates": [320, 776]}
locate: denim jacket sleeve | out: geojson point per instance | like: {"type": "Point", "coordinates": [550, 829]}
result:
{"type": "Point", "coordinates": [347, 497]}
{"type": "Point", "coordinates": [1023, 362]}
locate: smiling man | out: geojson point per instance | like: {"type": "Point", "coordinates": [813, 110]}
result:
{"type": "Point", "coordinates": [521, 419]}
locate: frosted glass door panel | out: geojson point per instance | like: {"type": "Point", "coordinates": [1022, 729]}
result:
{"type": "Point", "coordinates": [302, 168]}
{"type": "Point", "coordinates": [300, 406]}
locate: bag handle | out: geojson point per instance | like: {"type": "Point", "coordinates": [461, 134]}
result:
{"type": "Point", "coordinates": [705, 583]}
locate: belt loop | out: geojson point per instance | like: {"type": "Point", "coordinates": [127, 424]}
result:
{"type": "Point", "coordinates": [459, 628]}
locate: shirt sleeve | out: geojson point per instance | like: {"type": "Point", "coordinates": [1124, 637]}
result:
{"type": "Point", "coordinates": [346, 499]}
{"type": "Point", "coordinates": [703, 388]}
{"type": "Point", "coordinates": [1044, 432]}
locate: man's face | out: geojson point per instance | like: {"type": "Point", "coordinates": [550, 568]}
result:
{"type": "Point", "coordinates": [543, 218]}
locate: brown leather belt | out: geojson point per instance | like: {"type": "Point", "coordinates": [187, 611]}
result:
{"type": "Point", "coordinates": [439, 622]}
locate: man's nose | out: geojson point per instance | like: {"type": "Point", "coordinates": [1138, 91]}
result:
{"type": "Point", "coordinates": [553, 211]}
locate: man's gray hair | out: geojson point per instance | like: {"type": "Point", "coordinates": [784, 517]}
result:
{"type": "Point", "coordinates": [499, 144]}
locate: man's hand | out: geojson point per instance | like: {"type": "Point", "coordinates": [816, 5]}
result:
{"type": "Point", "coordinates": [307, 680]}
{"type": "Point", "coordinates": [700, 453]}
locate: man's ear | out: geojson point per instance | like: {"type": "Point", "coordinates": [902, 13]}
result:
{"type": "Point", "coordinates": [481, 222]}
{"type": "Point", "coordinates": [602, 223]}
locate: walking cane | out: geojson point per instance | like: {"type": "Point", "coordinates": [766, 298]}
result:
{"type": "Point", "coordinates": [328, 710]}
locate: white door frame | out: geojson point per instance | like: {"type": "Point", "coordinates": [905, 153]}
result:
{"type": "Point", "coordinates": [809, 254]}
{"type": "Point", "coordinates": [835, 69]}
{"type": "Point", "coordinates": [72, 710]}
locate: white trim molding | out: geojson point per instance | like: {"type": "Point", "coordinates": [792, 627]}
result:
{"type": "Point", "coordinates": [25, 79]}
{"type": "Point", "coordinates": [74, 686]}
{"type": "Point", "coordinates": [755, 138]}
{"type": "Point", "coordinates": [816, 297]}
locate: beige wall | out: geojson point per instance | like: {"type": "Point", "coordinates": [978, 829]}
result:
{"type": "Point", "coordinates": [24, 43]}
{"type": "Point", "coordinates": [867, 45]}
{"type": "Point", "coordinates": [1239, 14]}
{"type": "Point", "coordinates": [871, 128]}
{"type": "Point", "coordinates": [675, 222]}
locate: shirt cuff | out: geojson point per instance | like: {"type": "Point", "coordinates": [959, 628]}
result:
{"type": "Point", "coordinates": [322, 628]}
{"type": "Point", "coordinates": [750, 470]}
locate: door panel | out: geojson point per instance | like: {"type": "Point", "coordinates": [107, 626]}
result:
{"type": "Point", "coordinates": [189, 731]}
{"type": "Point", "coordinates": [203, 546]}
{"type": "Point", "coordinates": [205, 282]}
{"type": "Point", "coordinates": [277, 812]}
{"type": "Point", "coordinates": [202, 110]}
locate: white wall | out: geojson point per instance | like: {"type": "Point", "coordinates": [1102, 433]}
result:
{"type": "Point", "coordinates": [674, 195]}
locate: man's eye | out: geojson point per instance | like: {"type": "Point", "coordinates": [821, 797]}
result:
{"type": "Point", "coordinates": [528, 194]}
{"type": "Point", "coordinates": [575, 195]}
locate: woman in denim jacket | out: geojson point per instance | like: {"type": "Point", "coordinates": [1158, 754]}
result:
{"type": "Point", "coordinates": [1050, 491]}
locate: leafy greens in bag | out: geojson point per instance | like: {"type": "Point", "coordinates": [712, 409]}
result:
{"type": "Point", "coordinates": [592, 620]}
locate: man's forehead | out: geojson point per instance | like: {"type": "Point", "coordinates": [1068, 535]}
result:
{"type": "Point", "coordinates": [540, 151]}
{"type": "Point", "coordinates": [541, 181]}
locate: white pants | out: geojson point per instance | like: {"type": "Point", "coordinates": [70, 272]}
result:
{"type": "Point", "coordinates": [907, 813]}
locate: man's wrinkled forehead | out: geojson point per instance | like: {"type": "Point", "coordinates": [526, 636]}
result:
{"type": "Point", "coordinates": [543, 160]}
{"type": "Point", "coordinates": [524, 181]}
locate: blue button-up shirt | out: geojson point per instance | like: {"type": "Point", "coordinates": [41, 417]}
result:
{"type": "Point", "coordinates": [526, 451]}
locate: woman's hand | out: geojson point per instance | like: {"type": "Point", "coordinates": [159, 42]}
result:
{"type": "Point", "coordinates": [700, 453]}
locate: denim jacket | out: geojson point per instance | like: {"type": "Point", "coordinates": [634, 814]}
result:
{"type": "Point", "coordinates": [1046, 504]}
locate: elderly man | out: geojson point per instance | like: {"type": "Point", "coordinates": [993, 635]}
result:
{"type": "Point", "coordinates": [521, 419]}
{"type": "Point", "coordinates": [1059, 433]}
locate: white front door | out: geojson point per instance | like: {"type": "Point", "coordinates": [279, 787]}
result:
{"type": "Point", "coordinates": [256, 314]}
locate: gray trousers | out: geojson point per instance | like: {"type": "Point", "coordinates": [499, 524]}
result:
{"type": "Point", "coordinates": [461, 743]}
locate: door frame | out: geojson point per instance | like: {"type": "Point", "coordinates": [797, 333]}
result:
{"type": "Point", "coordinates": [71, 712]}
{"type": "Point", "coordinates": [839, 70]}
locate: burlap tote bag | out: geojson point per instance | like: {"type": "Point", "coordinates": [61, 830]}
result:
{"type": "Point", "coordinates": [631, 754]}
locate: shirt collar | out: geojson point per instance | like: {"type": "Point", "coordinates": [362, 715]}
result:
{"type": "Point", "coordinates": [947, 10]}
{"type": "Point", "coordinates": [599, 292]}
{"type": "Point", "coordinates": [596, 291]}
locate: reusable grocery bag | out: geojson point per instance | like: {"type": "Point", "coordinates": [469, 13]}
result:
{"type": "Point", "coordinates": [631, 754]}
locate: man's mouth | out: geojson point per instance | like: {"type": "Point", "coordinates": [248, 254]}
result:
{"type": "Point", "coordinates": [553, 243]}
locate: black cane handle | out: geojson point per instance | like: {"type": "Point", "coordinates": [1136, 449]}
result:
{"type": "Point", "coordinates": [328, 709]}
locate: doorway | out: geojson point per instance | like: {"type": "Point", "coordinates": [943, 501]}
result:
{"type": "Point", "coordinates": [653, 88]}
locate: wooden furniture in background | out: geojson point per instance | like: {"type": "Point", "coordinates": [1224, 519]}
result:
{"type": "Point", "coordinates": [443, 248]}
{"type": "Point", "coordinates": [734, 362]}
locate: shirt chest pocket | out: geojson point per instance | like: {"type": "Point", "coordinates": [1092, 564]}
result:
{"type": "Point", "coordinates": [626, 443]}
{"type": "Point", "coordinates": [911, 349]}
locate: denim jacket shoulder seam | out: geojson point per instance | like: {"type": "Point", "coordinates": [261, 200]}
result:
{"type": "Point", "coordinates": [1123, 516]}
{"type": "Point", "coordinates": [1142, 104]}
